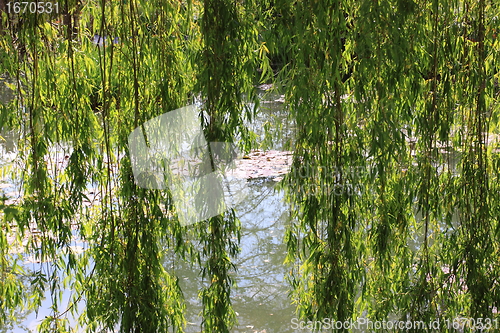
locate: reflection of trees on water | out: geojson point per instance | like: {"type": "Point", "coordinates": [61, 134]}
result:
{"type": "Point", "coordinates": [261, 296]}
{"type": "Point", "coordinates": [261, 293]}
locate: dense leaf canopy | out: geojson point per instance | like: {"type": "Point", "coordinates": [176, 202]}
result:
{"type": "Point", "coordinates": [395, 177]}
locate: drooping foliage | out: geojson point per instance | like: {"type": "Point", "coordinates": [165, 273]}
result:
{"type": "Point", "coordinates": [395, 171]}
{"type": "Point", "coordinates": [394, 183]}
{"type": "Point", "coordinates": [84, 80]}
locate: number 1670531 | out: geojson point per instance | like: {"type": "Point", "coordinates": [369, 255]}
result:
{"type": "Point", "coordinates": [32, 7]}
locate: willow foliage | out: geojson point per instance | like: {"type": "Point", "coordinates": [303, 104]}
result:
{"type": "Point", "coordinates": [85, 82]}
{"type": "Point", "coordinates": [395, 171]}
{"type": "Point", "coordinates": [393, 187]}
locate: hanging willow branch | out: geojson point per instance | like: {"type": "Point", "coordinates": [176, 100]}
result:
{"type": "Point", "coordinates": [394, 183]}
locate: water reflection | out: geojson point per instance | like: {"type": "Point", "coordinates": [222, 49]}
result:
{"type": "Point", "coordinates": [261, 296]}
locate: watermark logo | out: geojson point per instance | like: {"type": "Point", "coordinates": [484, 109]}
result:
{"type": "Point", "coordinates": [170, 152]}
{"type": "Point", "coordinates": [363, 325]}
